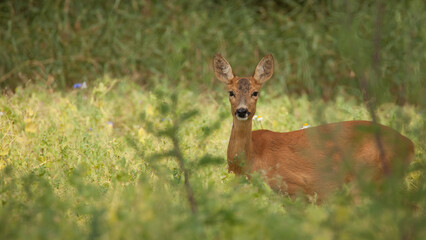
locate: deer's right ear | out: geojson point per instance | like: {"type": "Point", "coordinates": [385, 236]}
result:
{"type": "Point", "coordinates": [222, 69]}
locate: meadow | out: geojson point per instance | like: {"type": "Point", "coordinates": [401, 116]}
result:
{"type": "Point", "coordinates": [141, 152]}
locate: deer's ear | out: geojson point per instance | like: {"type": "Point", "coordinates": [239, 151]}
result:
{"type": "Point", "coordinates": [264, 69]}
{"type": "Point", "coordinates": [222, 69]}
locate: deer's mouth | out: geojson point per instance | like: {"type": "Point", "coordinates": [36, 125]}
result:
{"type": "Point", "coordinates": [242, 118]}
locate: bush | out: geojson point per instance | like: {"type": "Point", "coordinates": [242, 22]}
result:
{"type": "Point", "coordinates": [319, 46]}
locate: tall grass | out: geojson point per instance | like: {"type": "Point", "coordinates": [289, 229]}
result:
{"type": "Point", "coordinates": [100, 163]}
{"type": "Point", "coordinates": [141, 152]}
{"type": "Point", "coordinates": [317, 44]}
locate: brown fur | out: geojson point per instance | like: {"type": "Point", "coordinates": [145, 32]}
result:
{"type": "Point", "coordinates": [314, 160]}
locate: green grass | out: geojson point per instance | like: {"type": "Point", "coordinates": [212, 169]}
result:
{"type": "Point", "coordinates": [316, 44]}
{"type": "Point", "coordinates": [104, 162]}
{"type": "Point", "coordinates": [68, 173]}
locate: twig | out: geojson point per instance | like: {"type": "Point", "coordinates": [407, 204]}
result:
{"type": "Point", "coordinates": [377, 37]}
{"type": "Point", "coordinates": [189, 191]}
{"type": "Point", "coordinates": [370, 108]}
{"type": "Point", "coordinates": [363, 83]}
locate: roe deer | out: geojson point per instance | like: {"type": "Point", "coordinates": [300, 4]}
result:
{"type": "Point", "coordinates": [314, 160]}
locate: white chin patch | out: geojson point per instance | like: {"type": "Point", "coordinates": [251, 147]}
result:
{"type": "Point", "coordinates": [242, 119]}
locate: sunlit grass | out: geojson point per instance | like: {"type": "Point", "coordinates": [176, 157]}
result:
{"type": "Point", "coordinates": [67, 168]}
{"type": "Point", "coordinates": [93, 91]}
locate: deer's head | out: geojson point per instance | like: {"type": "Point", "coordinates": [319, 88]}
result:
{"type": "Point", "coordinates": [243, 91]}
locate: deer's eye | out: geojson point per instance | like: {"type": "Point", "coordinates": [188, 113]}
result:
{"type": "Point", "coordinates": [254, 94]}
{"type": "Point", "coordinates": [231, 94]}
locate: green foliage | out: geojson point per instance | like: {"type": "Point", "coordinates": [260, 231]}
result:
{"type": "Point", "coordinates": [85, 164]}
{"type": "Point", "coordinates": [318, 45]}
{"type": "Point", "coordinates": [118, 160]}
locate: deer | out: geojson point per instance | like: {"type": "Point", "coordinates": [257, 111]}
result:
{"type": "Point", "coordinates": [314, 161]}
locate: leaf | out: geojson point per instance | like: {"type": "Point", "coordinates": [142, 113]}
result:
{"type": "Point", "coordinates": [141, 134]}
{"type": "Point", "coordinates": [164, 108]}
{"type": "Point", "coordinates": [30, 126]}
{"type": "Point", "coordinates": [4, 150]}
{"type": "Point", "coordinates": [210, 160]}
{"type": "Point", "coordinates": [188, 114]}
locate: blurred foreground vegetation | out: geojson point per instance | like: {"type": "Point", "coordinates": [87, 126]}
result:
{"type": "Point", "coordinates": [100, 163]}
{"type": "Point", "coordinates": [109, 161]}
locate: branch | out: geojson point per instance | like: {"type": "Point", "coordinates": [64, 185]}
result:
{"type": "Point", "coordinates": [364, 87]}
{"type": "Point", "coordinates": [180, 159]}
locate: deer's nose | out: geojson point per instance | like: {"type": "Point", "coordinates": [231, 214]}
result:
{"type": "Point", "coordinates": [242, 112]}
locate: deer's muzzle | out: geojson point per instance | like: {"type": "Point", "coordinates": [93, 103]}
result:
{"type": "Point", "coordinates": [242, 113]}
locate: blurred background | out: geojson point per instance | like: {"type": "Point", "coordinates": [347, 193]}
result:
{"type": "Point", "coordinates": [320, 47]}
{"type": "Point", "coordinates": [113, 126]}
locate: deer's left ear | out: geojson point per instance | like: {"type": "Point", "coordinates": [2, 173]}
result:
{"type": "Point", "coordinates": [264, 69]}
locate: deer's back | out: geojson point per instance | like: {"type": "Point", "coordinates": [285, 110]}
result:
{"type": "Point", "coordinates": [318, 159]}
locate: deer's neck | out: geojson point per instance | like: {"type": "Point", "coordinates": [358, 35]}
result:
{"type": "Point", "coordinates": [240, 147]}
